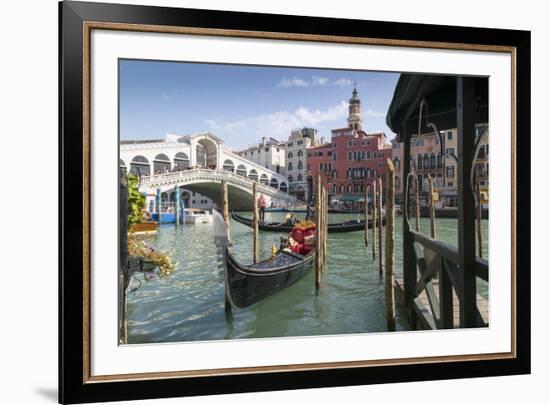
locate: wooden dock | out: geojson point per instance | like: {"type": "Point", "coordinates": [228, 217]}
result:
{"type": "Point", "coordinates": [424, 309]}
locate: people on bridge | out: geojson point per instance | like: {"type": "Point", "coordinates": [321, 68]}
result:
{"type": "Point", "coordinates": [262, 204]}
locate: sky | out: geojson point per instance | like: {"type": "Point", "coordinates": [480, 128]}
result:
{"type": "Point", "coordinates": [240, 104]}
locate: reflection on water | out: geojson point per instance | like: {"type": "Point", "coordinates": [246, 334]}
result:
{"type": "Point", "coordinates": [189, 304]}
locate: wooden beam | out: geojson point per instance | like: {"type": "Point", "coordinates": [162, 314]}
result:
{"type": "Point", "coordinates": [409, 261]}
{"type": "Point", "coordinates": [466, 105]}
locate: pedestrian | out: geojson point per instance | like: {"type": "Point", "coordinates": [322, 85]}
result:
{"type": "Point", "coordinates": [262, 204]}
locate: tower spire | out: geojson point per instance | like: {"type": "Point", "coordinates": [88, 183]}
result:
{"type": "Point", "coordinates": [355, 120]}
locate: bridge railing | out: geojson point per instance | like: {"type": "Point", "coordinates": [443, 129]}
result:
{"type": "Point", "coordinates": [213, 175]}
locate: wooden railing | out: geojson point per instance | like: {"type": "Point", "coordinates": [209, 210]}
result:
{"type": "Point", "coordinates": [440, 261]}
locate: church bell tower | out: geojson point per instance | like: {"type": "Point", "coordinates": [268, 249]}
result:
{"type": "Point", "coordinates": [354, 119]}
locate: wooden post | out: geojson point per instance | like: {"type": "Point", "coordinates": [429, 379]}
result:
{"type": "Point", "coordinates": [432, 208]}
{"type": "Point", "coordinates": [479, 212]}
{"type": "Point", "coordinates": [380, 222]}
{"type": "Point", "coordinates": [325, 226]}
{"type": "Point", "coordinates": [318, 232]}
{"type": "Point", "coordinates": [466, 114]}
{"type": "Point", "coordinates": [255, 246]}
{"type": "Point", "coordinates": [390, 202]}
{"type": "Point", "coordinates": [225, 208]}
{"type": "Point", "coordinates": [159, 209]}
{"type": "Point", "coordinates": [123, 256]}
{"type": "Point", "coordinates": [177, 206]}
{"type": "Point", "coordinates": [225, 214]}
{"type": "Point", "coordinates": [367, 215]}
{"type": "Point", "coordinates": [417, 206]}
{"type": "Point", "coordinates": [374, 219]}
{"type": "Point", "coordinates": [409, 262]}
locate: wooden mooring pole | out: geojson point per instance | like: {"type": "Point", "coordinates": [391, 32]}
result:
{"type": "Point", "coordinates": [159, 206]}
{"type": "Point", "coordinates": [325, 226]}
{"type": "Point", "coordinates": [177, 206]}
{"type": "Point", "coordinates": [390, 203]}
{"type": "Point", "coordinates": [432, 207]}
{"type": "Point", "coordinates": [255, 246]}
{"type": "Point", "coordinates": [367, 215]}
{"type": "Point", "coordinates": [380, 222]}
{"type": "Point", "coordinates": [374, 219]}
{"type": "Point", "coordinates": [417, 206]}
{"type": "Point", "coordinates": [478, 224]}
{"type": "Point", "coordinates": [225, 214]}
{"type": "Point", "coordinates": [318, 231]}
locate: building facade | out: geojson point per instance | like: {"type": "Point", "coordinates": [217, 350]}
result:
{"type": "Point", "coordinates": [268, 153]}
{"type": "Point", "coordinates": [352, 159]}
{"type": "Point", "coordinates": [429, 158]}
{"type": "Point", "coordinates": [296, 160]}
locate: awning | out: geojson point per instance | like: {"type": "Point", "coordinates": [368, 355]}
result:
{"type": "Point", "coordinates": [350, 198]}
{"type": "Point", "coordinates": [439, 92]}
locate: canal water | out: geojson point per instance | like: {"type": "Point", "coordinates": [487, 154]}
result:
{"type": "Point", "coordinates": [189, 304]}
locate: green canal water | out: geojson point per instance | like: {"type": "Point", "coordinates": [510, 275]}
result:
{"type": "Point", "coordinates": [189, 304]}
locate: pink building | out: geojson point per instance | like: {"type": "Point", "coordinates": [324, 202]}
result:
{"type": "Point", "coordinates": [352, 159]}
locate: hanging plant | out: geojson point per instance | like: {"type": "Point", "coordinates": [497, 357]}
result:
{"type": "Point", "coordinates": [136, 201]}
{"type": "Point", "coordinates": [151, 257]}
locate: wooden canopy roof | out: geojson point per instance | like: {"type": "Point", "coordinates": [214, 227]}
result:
{"type": "Point", "coordinates": [440, 95]}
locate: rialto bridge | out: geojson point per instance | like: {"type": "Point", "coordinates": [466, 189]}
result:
{"type": "Point", "coordinates": [199, 163]}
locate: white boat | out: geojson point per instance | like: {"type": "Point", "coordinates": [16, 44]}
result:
{"type": "Point", "coordinates": [197, 216]}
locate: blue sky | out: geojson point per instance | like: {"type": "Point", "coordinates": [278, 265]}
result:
{"type": "Point", "coordinates": [240, 104]}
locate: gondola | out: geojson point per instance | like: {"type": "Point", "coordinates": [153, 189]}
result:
{"type": "Point", "coordinates": [347, 226]}
{"type": "Point", "coordinates": [248, 284]}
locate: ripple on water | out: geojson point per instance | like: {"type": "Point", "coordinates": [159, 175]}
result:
{"type": "Point", "coordinates": [189, 304]}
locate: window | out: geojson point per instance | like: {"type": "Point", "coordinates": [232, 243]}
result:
{"type": "Point", "coordinates": [349, 155]}
{"type": "Point", "coordinates": [290, 166]}
{"type": "Point", "coordinates": [432, 161]}
{"type": "Point", "coordinates": [290, 155]}
{"type": "Point", "coordinates": [300, 142]}
{"type": "Point", "coordinates": [300, 165]}
{"type": "Point", "coordinates": [449, 135]}
{"type": "Point", "coordinates": [419, 162]}
{"type": "Point", "coordinates": [300, 177]}
{"type": "Point", "coordinates": [320, 154]}
{"type": "Point", "coordinates": [300, 153]}
{"type": "Point", "coordinates": [290, 178]}
{"type": "Point", "coordinates": [368, 154]}
{"type": "Point", "coordinates": [426, 162]}
{"type": "Point", "coordinates": [450, 171]}
{"type": "Point", "coordinates": [333, 156]}
{"type": "Point", "coordinates": [450, 152]}
{"type": "Point", "coordinates": [439, 160]}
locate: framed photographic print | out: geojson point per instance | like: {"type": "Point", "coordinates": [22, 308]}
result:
{"type": "Point", "coordinates": [256, 202]}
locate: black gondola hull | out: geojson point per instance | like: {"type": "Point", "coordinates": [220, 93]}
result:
{"type": "Point", "coordinates": [348, 226]}
{"type": "Point", "coordinates": [247, 285]}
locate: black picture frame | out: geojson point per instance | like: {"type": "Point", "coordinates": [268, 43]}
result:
{"type": "Point", "coordinates": [73, 387]}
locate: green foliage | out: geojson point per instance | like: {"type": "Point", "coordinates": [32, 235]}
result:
{"type": "Point", "coordinates": [136, 200]}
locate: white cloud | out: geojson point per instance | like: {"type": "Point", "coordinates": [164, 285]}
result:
{"type": "Point", "coordinates": [313, 81]}
{"type": "Point", "coordinates": [294, 82]}
{"type": "Point", "coordinates": [278, 124]}
{"type": "Point", "coordinates": [342, 82]}
{"type": "Point", "coordinates": [374, 114]}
